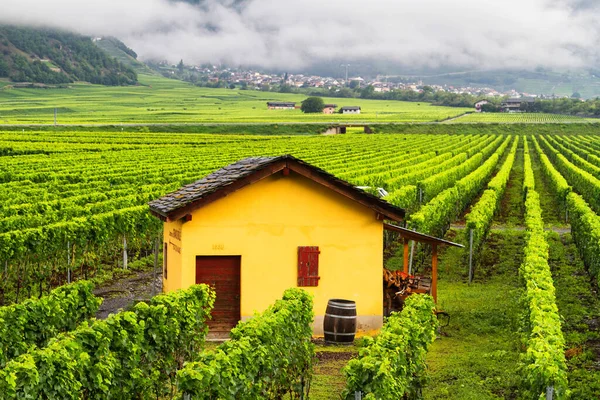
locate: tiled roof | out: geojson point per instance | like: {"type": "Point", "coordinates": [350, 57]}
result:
{"type": "Point", "coordinates": [233, 173]}
{"type": "Point", "coordinates": [209, 184]}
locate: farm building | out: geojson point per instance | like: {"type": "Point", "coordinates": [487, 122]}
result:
{"type": "Point", "coordinates": [329, 108]}
{"type": "Point", "coordinates": [479, 104]}
{"type": "Point", "coordinates": [351, 110]}
{"type": "Point", "coordinates": [264, 224]}
{"type": "Point", "coordinates": [280, 105]}
{"type": "Point", "coordinates": [517, 104]}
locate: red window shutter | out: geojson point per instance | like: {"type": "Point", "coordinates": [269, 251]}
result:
{"type": "Point", "coordinates": [308, 265]}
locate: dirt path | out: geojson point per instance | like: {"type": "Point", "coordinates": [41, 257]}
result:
{"type": "Point", "coordinates": [122, 293]}
{"type": "Point", "coordinates": [448, 120]}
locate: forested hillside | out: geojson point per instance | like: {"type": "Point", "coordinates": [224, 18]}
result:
{"type": "Point", "coordinates": [55, 57]}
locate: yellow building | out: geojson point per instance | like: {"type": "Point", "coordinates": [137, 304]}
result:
{"type": "Point", "coordinates": [265, 224]}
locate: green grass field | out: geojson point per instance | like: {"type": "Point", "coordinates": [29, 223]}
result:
{"type": "Point", "coordinates": [161, 100]}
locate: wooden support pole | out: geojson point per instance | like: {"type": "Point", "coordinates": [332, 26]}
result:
{"type": "Point", "coordinates": [156, 244]}
{"type": "Point", "coordinates": [470, 256]}
{"type": "Point", "coordinates": [68, 261]}
{"type": "Point", "coordinates": [405, 256]}
{"type": "Point", "coordinates": [412, 252]}
{"type": "Point", "coordinates": [124, 252]}
{"type": "Point", "coordinates": [434, 266]}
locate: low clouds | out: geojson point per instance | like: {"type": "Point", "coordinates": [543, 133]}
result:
{"type": "Point", "coordinates": [294, 35]}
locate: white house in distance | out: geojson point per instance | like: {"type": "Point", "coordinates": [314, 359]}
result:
{"type": "Point", "coordinates": [479, 104]}
{"type": "Point", "coordinates": [350, 110]}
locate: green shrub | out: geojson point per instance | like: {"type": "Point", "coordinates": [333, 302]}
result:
{"type": "Point", "coordinates": [129, 355]}
{"type": "Point", "coordinates": [35, 321]}
{"type": "Point", "coordinates": [544, 362]}
{"type": "Point", "coordinates": [585, 227]}
{"type": "Point", "coordinates": [268, 356]}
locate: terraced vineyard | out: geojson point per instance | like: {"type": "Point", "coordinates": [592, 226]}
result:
{"type": "Point", "coordinates": [75, 201]}
{"type": "Point", "coordinates": [518, 118]}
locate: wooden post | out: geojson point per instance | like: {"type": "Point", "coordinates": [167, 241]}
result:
{"type": "Point", "coordinates": [68, 261]}
{"type": "Point", "coordinates": [434, 265]}
{"type": "Point", "coordinates": [124, 252]}
{"type": "Point", "coordinates": [412, 252]}
{"type": "Point", "coordinates": [470, 256]}
{"type": "Point", "coordinates": [405, 256]}
{"type": "Point", "coordinates": [156, 244]}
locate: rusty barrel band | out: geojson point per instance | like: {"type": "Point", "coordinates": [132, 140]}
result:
{"type": "Point", "coordinates": [341, 316]}
{"type": "Point", "coordinates": [340, 333]}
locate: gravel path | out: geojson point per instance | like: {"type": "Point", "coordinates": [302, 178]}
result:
{"type": "Point", "coordinates": [122, 293]}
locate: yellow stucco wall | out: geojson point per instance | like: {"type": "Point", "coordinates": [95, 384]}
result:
{"type": "Point", "coordinates": [172, 239]}
{"type": "Point", "coordinates": [266, 222]}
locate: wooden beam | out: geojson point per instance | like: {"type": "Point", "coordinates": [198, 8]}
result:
{"type": "Point", "coordinates": [406, 256]}
{"type": "Point", "coordinates": [160, 216]}
{"type": "Point", "coordinates": [417, 236]}
{"type": "Point", "coordinates": [434, 273]}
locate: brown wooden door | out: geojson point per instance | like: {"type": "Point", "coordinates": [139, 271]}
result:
{"type": "Point", "coordinates": [223, 274]}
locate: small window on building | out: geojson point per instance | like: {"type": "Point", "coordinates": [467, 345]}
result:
{"type": "Point", "coordinates": [308, 266]}
{"type": "Point", "coordinates": [165, 260]}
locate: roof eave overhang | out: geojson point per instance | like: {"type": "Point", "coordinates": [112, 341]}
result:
{"type": "Point", "coordinates": [158, 214]}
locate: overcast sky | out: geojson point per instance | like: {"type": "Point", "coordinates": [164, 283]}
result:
{"type": "Point", "coordinates": [293, 34]}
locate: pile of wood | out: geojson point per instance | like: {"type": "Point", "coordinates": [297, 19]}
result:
{"type": "Point", "coordinates": [398, 285]}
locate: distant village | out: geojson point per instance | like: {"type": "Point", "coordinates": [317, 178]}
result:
{"type": "Point", "coordinates": [255, 80]}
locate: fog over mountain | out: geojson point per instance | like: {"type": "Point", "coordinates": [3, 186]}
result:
{"type": "Point", "coordinates": [294, 35]}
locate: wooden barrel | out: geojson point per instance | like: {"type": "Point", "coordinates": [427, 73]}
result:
{"type": "Point", "coordinates": [339, 325]}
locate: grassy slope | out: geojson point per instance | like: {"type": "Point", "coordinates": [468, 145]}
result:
{"type": "Point", "coordinates": [161, 100]}
{"type": "Point", "coordinates": [110, 47]}
{"type": "Point", "coordinates": [475, 357]}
